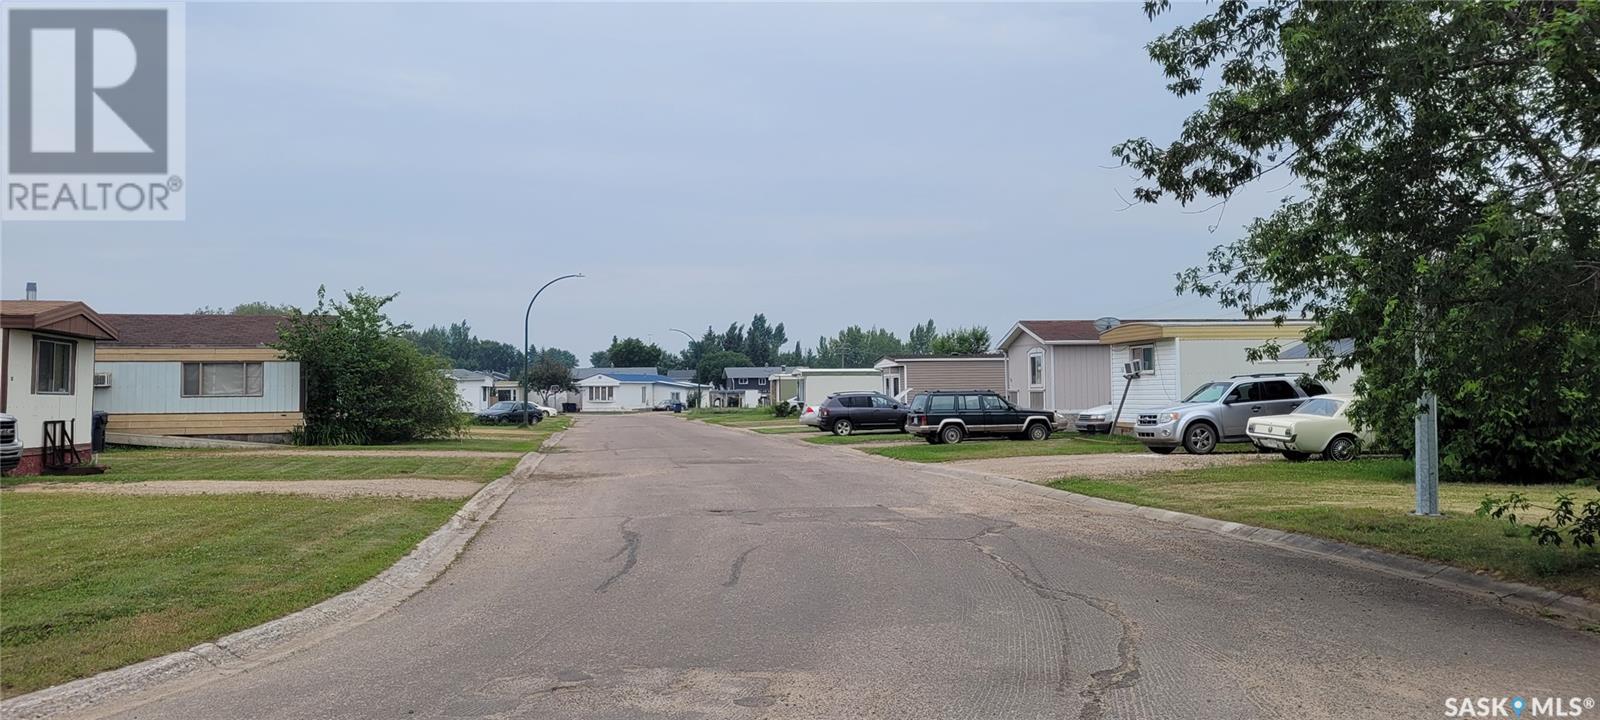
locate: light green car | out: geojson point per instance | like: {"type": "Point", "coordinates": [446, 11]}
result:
{"type": "Point", "coordinates": [1318, 426]}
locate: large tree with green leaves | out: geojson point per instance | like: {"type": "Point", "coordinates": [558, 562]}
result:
{"type": "Point", "coordinates": [960, 341]}
{"type": "Point", "coordinates": [1448, 162]}
{"type": "Point", "coordinates": [365, 382]}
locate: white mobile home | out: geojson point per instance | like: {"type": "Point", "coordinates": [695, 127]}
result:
{"type": "Point", "coordinates": [813, 385]}
{"type": "Point", "coordinates": [47, 350]}
{"type": "Point", "coordinates": [1177, 356]}
{"type": "Point", "coordinates": [625, 391]}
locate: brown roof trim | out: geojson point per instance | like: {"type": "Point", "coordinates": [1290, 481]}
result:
{"type": "Point", "coordinates": [59, 317]}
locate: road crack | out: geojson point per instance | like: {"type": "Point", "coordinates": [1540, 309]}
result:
{"type": "Point", "coordinates": [1122, 675]}
{"type": "Point", "coordinates": [738, 567]}
{"type": "Point", "coordinates": [630, 546]}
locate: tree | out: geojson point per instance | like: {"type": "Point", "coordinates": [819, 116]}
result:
{"type": "Point", "coordinates": [1448, 156]}
{"type": "Point", "coordinates": [920, 340]}
{"type": "Point", "coordinates": [758, 341]}
{"type": "Point", "coordinates": [599, 358]}
{"type": "Point", "coordinates": [960, 341]}
{"type": "Point", "coordinates": [711, 367]}
{"type": "Point", "coordinates": [558, 356]}
{"type": "Point", "coordinates": [365, 383]}
{"type": "Point", "coordinates": [855, 347]}
{"type": "Point", "coordinates": [250, 308]}
{"type": "Point", "coordinates": [633, 352]}
{"type": "Point", "coordinates": [549, 372]}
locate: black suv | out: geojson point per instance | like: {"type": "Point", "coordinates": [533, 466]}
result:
{"type": "Point", "coordinates": [846, 412]}
{"type": "Point", "coordinates": [950, 416]}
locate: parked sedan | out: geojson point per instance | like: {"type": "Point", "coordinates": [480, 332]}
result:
{"type": "Point", "coordinates": [809, 415]}
{"type": "Point", "coordinates": [1095, 420]}
{"type": "Point", "coordinates": [510, 411]}
{"type": "Point", "coordinates": [847, 412]}
{"type": "Point", "coordinates": [1318, 426]}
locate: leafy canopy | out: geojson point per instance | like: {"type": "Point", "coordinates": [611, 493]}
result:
{"type": "Point", "coordinates": [1449, 198]}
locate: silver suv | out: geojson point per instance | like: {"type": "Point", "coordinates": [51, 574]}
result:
{"type": "Point", "coordinates": [1218, 412]}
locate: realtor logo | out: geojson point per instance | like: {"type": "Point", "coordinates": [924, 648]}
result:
{"type": "Point", "coordinates": [94, 113]}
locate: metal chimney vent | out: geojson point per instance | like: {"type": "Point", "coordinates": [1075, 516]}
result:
{"type": "Point", "coordinates": [33, 291]}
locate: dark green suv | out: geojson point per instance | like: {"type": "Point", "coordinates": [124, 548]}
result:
{"type": "Point", "coordinates": [950, 416]}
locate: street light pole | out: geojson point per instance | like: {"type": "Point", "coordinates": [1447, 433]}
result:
{"type": "Point", "coordinates": [686, 349]}
{"type": "Point", "coordinates": [525, 317]}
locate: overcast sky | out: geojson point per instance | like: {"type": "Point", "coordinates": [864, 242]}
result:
{"type": "Point", "coordinates": [825, 164]}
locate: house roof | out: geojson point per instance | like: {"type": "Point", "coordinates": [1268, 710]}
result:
{"type": "Point", "coordinates": [640, 378]}
{"type": "Point", "coordinates": [754, 372]}
{"type": "Point", "coordinates": [212, 331]}
{"type": "Point", "coordinates": [1055, 331]}
{"type": "Point", "coordinates": [62, 317]}
{"type": "Point", "coordinates": [460, 375]}
{"type": "Point", "coordinates": [971, 356]}
{"type": "Point", "coordinates": [681, 374]}
{"type": "Point", "coordinates": [581, 373]}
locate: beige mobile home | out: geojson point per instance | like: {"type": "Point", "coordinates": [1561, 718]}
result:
{"type": "Point", "coordinates": [1056, 365]}
{"type": "Point", "coordinates": [906, 375]}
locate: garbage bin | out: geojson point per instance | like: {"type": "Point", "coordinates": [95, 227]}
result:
{"type": "Point", "coordinates": [569, 407]}
{"type": "Point", "coordinates": [98, 434]}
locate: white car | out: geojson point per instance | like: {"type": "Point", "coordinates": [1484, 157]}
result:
{"type": "Point", "coordinates": [547, 410]}
{"type": "Point", "coordinates": [810, 416]}
{"type": "Point", "coordinates": [1317, 426]}
{"type": "Point", "coordinates": [10, 444]}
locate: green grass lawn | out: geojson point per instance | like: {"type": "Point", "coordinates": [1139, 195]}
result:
{"type": "Point", "coordinates": [490, 438]}
{"type": "Point", "coordinates": [735, 416]}
{"type": "Point", "coordinates": [93, 583]}
{"type": "Point", "coordinates": [862, 438]}
{"type": "Point", "coordinates": [165, 464]}
{"type": "Point", "coordinates": [1366, 503]}
{"type": "Point", "coordinates": [794, 428]}
{"type": "Point", "coordinates": [1058, 444]}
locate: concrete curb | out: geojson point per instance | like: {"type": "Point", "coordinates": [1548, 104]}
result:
{"type": "Point", "coordinates": [230, 655]}
{"type": "Point", "coordinates": [1548, 604]}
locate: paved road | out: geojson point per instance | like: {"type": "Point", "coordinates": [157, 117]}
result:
{"type": "Point", "coordinates": [662, 569]}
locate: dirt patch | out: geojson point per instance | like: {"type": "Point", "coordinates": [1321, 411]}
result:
{"type": "Point", "coordinates": [416, 488]}
{"type": "Point", "coordinates": [1107, 466]}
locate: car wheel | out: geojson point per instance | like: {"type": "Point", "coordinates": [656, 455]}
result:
{"type": "Point", "coordinates": [1160, 449]}
{"type": "Point", "coordinates": [952, 434]}
{"type": "Point", "coordinates": [843, 428]}
{"type": "Point", "coordinates": [1200, 439]}
{"type": "Point", "coordinates": [1342, 449]}
{"type": "Point", "coordinates": [1038, 431]}
{"type": "Point", "coordinates": [1293, 456]}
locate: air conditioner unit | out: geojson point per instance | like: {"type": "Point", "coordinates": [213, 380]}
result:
{"type": "Point", "coordinates": [1132, 369]}
{"type": "Point", "coordinates": [102, 379]}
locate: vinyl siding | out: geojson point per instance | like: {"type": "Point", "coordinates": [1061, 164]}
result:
{"type": "Point", "coordinates": [33, 410]}
{"type": "Point", "coordinates": [157, 387]}
{"type": "Point", "coordinates": [1016, 362]}
{"type": "Point", "coordinates": [1149, 391]}
{"type": "Point", "coordinates": [1078, 379]}
{"type": "Point", "coordinates": [987, 374]}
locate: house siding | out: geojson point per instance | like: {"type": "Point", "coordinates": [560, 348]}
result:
{"type": "Point", "coordinates": [1151, 391]}
{"type": "Point", "coordinates": [1077, 376]}
{"type": "Point", "coordinates": [32, 410]}
{"type": "Point", "coordinates": [139, 388]}
{"type": "Point", "coordinates": [985, 374]}
{"type": "Point", "coordinates": [1016, 366]}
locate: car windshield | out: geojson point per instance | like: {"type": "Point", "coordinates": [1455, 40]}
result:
{"type": "Point", "coordinates": [1324, 407]}
{"type": "Point", "coordinates": [1209, 392]}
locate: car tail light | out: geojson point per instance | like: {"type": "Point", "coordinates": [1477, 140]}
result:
{"type": "Point", "coordinates": [918, 419]}
{"type": "Point", "coordinates": [823, 412]}
{"type": "Point", "coordinates": [811, 409]}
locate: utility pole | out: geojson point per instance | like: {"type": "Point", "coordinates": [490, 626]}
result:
{"type": "Point", "coordinates": [1426, 465]}
{"type": "Point", "coordinates": [699, 397]}
{"type": "Point", "coordinates": [525, 346]}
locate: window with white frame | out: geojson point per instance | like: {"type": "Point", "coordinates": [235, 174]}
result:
{"type": "Point", "coordinates": [600, 393]}
{"type": "Point", "coordinates": [222, 379]}
{"type": "Point", "coordinates": [1036, 368]}
{"type": "Point", "coordinates": [1145, 355]}
{"type": "Point", "coordinates": [53, 364]}
{"type": "Point", "coordinates": [644, 394]}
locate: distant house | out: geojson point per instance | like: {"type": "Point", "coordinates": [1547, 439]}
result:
{"type": "Point", "coordinates": [682, 374]}
{"type": "Point", "coordinates": [47, 348]}
{"type": "Point", "coordinates": [581, 373]}
{"type": "Point", "coordinates": [903, 376]}
{"type": "Point", "coordinates": [621, 392]}
{"type": "Point", "coordinates": [210, 376]}
{"type": "Point", "coordinates": [813, 385]}
{"type": "Point", "coordinates": [1177, 356]}
{"type": "Point", "coordinates": [1055, 365]}
{"type": "Point", "coordinates": [479, 389]}
{"type": "Point", "coordinates": [745, 386]}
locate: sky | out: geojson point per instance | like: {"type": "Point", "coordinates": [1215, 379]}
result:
{"type": "Point", "coordinates": [824, 164]}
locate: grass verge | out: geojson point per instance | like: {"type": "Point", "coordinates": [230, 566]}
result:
{"type": "Point", "coordinates": [1365, 503]}
{"type": "Point", "coordinates": [97, 582]}
{"type": "Point", "coordinates": [490, 438]}
{"type": "Point", "coordinates": [1060, 444]}
{"type": "Point", "coordinates": [862, 438]}
{"type": "Point", "coordinates": [733, 416]}
{"type": "Point", "coordinates": [785, 429]}
{"type": "Point", "coordinates": [164, 464]}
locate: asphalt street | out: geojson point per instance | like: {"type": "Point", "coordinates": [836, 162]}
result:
{"type": "Point", "coordinates": [658, 568]}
